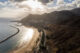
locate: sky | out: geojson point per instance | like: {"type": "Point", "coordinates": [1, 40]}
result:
{"type": "Point", "coordinates": [21, 8]}
{"type": "Point", "coordinates": [3, 0]}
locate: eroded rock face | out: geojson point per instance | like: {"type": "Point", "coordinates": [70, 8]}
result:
{"type": "Point", "coordinates": [61, 28]}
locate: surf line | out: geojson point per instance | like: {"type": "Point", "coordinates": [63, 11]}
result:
{"type": "Point", "coordinates": [11, 35]}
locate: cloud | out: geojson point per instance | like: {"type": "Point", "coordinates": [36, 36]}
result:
{"type": "Point", "coordinates": [3, 3]}
{"type": "Point", "coordinates": [17, 0]}
{"type": "Point", "coordinates": [8, 9]}
{"type": "Point", "coordinates": [62, 5]}
{"type": "Point", "coordinates": [11, 12]}
{"type": "Point", "coordinates": [60, 2]}
{"type": "Point", "coordinates": [21, 7]}
{"type": "Point", "coordinates": [32, 6]}
{"type": "Point", "coordinates": [42, 1]}
{"type": "Point", "coordinates": [45, 1]}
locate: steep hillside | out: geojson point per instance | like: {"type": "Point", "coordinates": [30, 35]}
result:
{"type": "Point", "coordinates": [61, 31]}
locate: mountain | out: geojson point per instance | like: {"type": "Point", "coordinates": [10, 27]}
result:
{"type": "Point", "coordinates": [76, 11]}
{"type": "Point", "coordinates": [61, 30]}
{"type": "Point", "coordinates": [65, 17]}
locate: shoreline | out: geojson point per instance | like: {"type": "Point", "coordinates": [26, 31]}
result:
{"type": "Point", "coordinates": [27, 47]}
{"type": "Point", "coordinates": [11, 35]}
